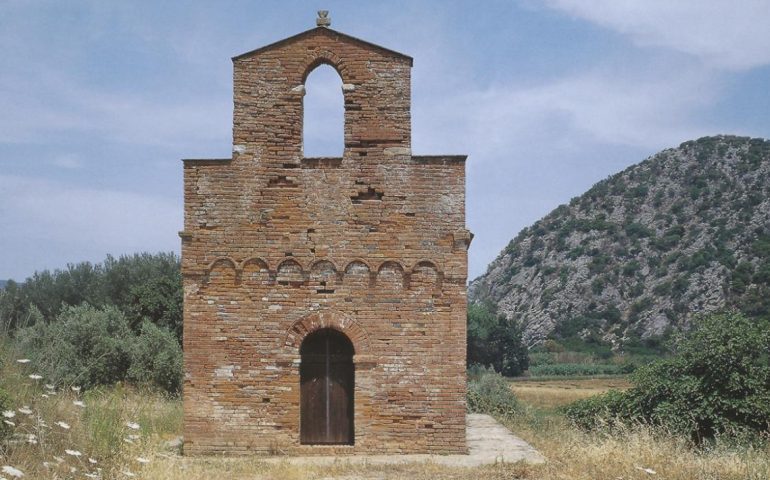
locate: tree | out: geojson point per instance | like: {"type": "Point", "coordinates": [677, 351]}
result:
{"type": "Point", "coordinates": [717, 383]}
{"type": "Point", "coordinates": [495, 341]}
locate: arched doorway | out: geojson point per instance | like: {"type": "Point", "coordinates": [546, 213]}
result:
{"type": "Point", "coordinates": [326, 388]}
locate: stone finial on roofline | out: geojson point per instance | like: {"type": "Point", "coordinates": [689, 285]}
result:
{"type": "Point", "coordinates": [323, 19]}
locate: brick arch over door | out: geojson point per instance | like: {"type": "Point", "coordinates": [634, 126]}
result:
{"type": "Point", "coordinates": [329, 319]}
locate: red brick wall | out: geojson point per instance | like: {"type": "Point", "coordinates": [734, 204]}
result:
{"type": "Point", "coordinates": [276, 245]}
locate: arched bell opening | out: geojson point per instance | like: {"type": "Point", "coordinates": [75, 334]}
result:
{"type": "Point", "coordinates": [327, 382]}
{"type": "Point", "coordinates": [323, 122]}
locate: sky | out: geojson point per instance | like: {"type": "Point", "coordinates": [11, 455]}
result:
{"type": "Point", "coordinates": [99, 101]}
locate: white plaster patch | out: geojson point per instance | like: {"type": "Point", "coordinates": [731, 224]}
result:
{"type": "Point", "coordinates": [397, 151]}
{"type": "Point", "coordinates": [225, 371]}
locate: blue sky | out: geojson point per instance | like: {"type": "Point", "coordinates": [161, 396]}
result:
{"type": "Point", "coordinates": [99, 100]}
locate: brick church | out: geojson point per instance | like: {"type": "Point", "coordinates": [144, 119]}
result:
{"type": "Point", "coordinates": [324, 298]}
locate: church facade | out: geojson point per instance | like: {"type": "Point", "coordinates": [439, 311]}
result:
{"type": "Point", "coordinates": [324, 298]}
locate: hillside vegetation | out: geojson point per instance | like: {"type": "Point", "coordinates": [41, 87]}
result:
{"type": "Point", "coordinates": [685, 232]}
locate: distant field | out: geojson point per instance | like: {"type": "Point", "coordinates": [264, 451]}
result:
{"type": "Point", "coordinates": [549, 394]}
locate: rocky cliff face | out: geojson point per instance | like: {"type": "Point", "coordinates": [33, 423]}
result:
{"type": "Point", "coordinates": [684, 232]}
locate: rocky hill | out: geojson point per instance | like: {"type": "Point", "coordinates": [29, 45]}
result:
{"type": "Point", "coordinates": [684, 232]}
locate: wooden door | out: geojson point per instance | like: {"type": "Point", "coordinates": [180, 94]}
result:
{"type": "Point", "coordinates": [326, 393]}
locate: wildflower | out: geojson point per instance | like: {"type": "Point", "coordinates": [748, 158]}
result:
{"type": "Point", "coordinates": [35, 376]}
{"type": "Point", "coordinates": [73, 453]}
{"type": "Point", "coordinates": [78, 403]}
{"type": "Point", "coordinates": [23, 360]}
{"type": "Point", "coordinates": [75, 389]}
{"type": "Point", "coordinates": [25, 410]}
{"type": "Point", "coordinates": [9, 414]}
{"type": "Point", "coordinates": [14, 472]}
{"type": "Point", "coordinates": [32, 439]}
{"type": "Point", "coordinates": [63, 425]}
{"type": "Point", "coordinates": [142, 460]}
{"type": "Point", "coordinates": [133, 426]}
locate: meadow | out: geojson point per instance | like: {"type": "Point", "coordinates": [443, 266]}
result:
{"type": "Point", "coordinates": [120, 432]}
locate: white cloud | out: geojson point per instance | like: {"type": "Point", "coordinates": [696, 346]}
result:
{"type": "Point", "coordinates": [47, 223]}
{"type": "Point", "coordinates": [68, 161]}
{"type": "Point", "coordinates": [607, 106]}
{"type": "Point", "coordinates": [722, 33]}
{"type": "Point", "coordinates": [39, 102]}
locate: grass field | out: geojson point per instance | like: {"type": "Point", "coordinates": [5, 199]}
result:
{"type": "Point", "coordinates": [552, 393]}
{"type": "Point", "coordinates": [126, 432]}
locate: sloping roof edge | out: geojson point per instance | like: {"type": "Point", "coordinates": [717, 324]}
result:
{"type": "Point", "coordinates": [312, 30]}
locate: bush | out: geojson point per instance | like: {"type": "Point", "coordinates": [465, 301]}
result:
{"type": "Point", "coordinates": [581, 369]}
{"type": "Point", "coordinates": [88, 347]}
{"type": "Point", "coordinates": [491, 394]}
{"type": "Point", "coordinates": [600, 410]}
{"type": "Point", "coordinates": [85, 346]}
{"type": "Point", "coordinates": [156, 359]}
{"type": "Point", "coordinates": [716, 384]}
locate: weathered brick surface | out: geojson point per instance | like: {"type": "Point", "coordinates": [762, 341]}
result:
{"type": "Point", "coordinates": [276, 246]}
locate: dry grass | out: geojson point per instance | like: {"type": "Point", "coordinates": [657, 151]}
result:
{"type": "Point", "coordinates": [549, 394]}
{"type": "Point", "coordinates": [61, 433]}
{"type": "Point", "coordinates": [576, 455]}
{"type": "Point", "coordinates": [99, 431]}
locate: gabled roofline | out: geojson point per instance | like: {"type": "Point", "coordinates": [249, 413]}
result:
{"type": "Point", "coordinates": [307, 32]}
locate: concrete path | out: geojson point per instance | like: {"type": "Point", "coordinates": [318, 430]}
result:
{"type": "Point", "coordinates": [488, 442]}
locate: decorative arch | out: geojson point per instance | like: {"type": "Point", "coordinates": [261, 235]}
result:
{"type": "Point", "coordinates": [261, 262]}
{"type": "Point", "coordinates": [222, 261]}
{"type": "Point", "coordinates": [392, 263]}
{"type": "Point", "coordinates": [221, 267]}
{"type": "Point", "coordinates": [327, 319]}
{"type": "Point", "coordinates": [391, 274]}
{"type": "Point", "coordinates": [290, 272]}
{"type": "Point", "coordinates": [356, 262]}
{"type": "Point", "coordinates": [319, 262]}
{"type": "Point", "coordinates": [425, 263]}
{"type": "Point", "coordinates": [255, 271]}
{"type": "Point", "coordinates": [425, 274]}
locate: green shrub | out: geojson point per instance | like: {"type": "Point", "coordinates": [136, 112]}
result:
{"type": "Point", "coordinates": [716, 384]}
{"type": "Point", "coordinates": [156, 358]}
{"type": "Point", "coordinates": [491, 393]}
{"type": "Point", "coordinates": [88, 347]}
{"type": "Point", "coordinates": [580, 369]}
{"type": "Point", "coordinates": [600, 410]}
{"type": "Point", "coordinates": [85, 346]}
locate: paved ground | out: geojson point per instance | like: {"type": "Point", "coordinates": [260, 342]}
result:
{"type": "Point", "coordinates": [488, 442]}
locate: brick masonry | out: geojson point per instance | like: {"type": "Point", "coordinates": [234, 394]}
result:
{"type": "Point", "coordinates": [276, 245]}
